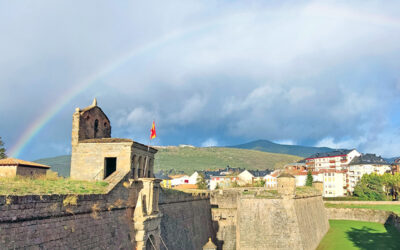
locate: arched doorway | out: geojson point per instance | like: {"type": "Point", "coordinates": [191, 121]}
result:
{"type": "Point", "coordinates": [150, 245]}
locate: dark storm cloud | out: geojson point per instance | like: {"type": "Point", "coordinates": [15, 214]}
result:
{"type": "Point", "coordinates": [219, 72]}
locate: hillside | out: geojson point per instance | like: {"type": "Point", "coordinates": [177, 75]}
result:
{"type": "Point", "coordinates": [268, 146]}
{"type": "Point", "coordinates": [59, 164]}
{"type": "Point", "coordinates": [190, 159]}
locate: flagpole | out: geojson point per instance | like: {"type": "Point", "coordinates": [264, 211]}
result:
{"type": "Point", "coordinates": [148, 150]}
{"type": "Point", "coordinates": [147, 157]}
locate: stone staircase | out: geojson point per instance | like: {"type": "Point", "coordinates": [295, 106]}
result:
{"type": "Point", "coordinates": [115, 178]}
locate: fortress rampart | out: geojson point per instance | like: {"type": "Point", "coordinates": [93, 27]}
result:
{"type": "Point", "coordinates": [262, 219]}
{"type": "Point", "coordinates": [103, 221]}
{"type": "Point", "coordinates": [136, 213]}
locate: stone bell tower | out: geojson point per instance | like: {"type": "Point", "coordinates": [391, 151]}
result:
{"type": "Point", "coordinates": [90, 123]}
{"type": "Point", "coordinates": [97, 156]}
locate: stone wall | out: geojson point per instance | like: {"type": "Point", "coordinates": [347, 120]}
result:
{"type": "Point", "coordinates": [87, 159]}
{"type": "Point", "coordinates": [255, 218]}
{"type": "Point", "coordinates": [68, 221]}
{"type": "Point", "coordinates": [30, 171]}
{"type": "Point", "coordinates": [8, 171]}
{"type": "Point", "coordinates": [103, 221]}
{"type": "Point", "coordinates": [224, 216]}
{"type": "Point", "coordinates": [186, 222]}
{"type": "Point", "coordinates": [281, 223]}
{"type": "Point", "coordinates": [359, 214]}
{"type": "Point", "coordinates": [312, 220]}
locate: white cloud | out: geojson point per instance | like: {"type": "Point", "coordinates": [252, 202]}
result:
{"type": "Point", "coordinates": [340, 144]}
{"type": "Point", "coordinates": [210, 142]}
{"type": "Point", "coordinates": [285, 142]}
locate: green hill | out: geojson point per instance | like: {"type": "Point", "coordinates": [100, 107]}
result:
{"type": "Point", "coordinates": [268, 146]}
{"type": "Point", "coordinates": [59, 164]}
{"type": "Point", "coordinates": [189, 159]}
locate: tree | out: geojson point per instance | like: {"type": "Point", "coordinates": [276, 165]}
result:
{"type": "Point", "coordinates": [201, 182]}
{"type": "Point", "coordinates": [396, 185]}
{"type": "Point", "coordinates": [388, 184]}
{"type": "Point", "coordinates": [309, 178]}
{"type": "Point", "coordinates": [3, 154]}
{"type": "Point", "coordinates": [370, 187]}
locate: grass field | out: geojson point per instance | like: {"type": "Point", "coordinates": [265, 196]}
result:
{"type": "Point", "coordinates": [386, 207]}
{"type": "Point", "coordinates": [190, 159]}
{"type": "Point", "coordinates": [345, 235]}
{"type": "Point", "coordinates": [24, 186]}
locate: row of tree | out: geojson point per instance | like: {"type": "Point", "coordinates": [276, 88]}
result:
{"type": "Point", "coordinates": [378, 187]}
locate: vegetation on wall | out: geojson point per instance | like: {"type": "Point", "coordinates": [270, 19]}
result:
{"type": "Point", "coordinates": [49, 185]}
{"type": "Point", "coordinates": [3, 154]}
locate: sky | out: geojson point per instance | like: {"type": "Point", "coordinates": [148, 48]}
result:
{"type": "Point", "coordinates": [209, 73]}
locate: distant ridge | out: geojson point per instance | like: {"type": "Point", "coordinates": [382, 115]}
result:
{"type": "Point", "coordinates": [272, 147]}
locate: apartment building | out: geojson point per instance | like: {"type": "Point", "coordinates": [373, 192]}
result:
{"type": "Point", "coordinates": [366, 164]}
{"type": "Point", "coordinates": [338, 159]}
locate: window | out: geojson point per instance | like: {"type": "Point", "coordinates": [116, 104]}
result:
{"type": "Point", "coordinates": [110, 165]}
{"type": "Point", "coordinates": [96, 127]}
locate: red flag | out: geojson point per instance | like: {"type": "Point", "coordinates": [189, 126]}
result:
{"type": "Point", "coordinates": [153, 131]}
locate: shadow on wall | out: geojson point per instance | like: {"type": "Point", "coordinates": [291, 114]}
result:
{"type": "Point", "coordinates": [368, 238]}
{"type": "Point", "coordinates": [218, 242]}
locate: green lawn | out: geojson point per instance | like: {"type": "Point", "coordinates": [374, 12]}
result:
{"type": "Point", "coordinates": [24, 186]}
{"type": "Point", "coordinates": [386, 207]}
{"type": "Point", "coordinates": [345, 234]}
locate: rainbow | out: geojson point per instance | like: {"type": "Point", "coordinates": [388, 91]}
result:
{"type": "Point", "coordinates": [314, 9]}
{"type": "Point", "coordinates": [34, 128]}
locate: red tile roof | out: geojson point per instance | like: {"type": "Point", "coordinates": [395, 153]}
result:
{"type": "Point", "coordinates": [18, 162]}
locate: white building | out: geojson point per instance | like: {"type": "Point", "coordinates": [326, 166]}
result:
{"type": "Point", "coordinates": [301, 177]}
{"type": "Point", "coordinates": [338, 159]}
{"type": "Point", "coordinates": [334, 182]}
{"type": "Point", "coordinates": [179, 179]}
{"type": "Point", "coordinates": [366, 164]}
{"type": "Point", "coordinates": [245, 177]}
{"type": "Point", "coordinates": [222, 181]}
{"type": "Point", "coordinates": [270, 179]}
{"type": "Point", "coordinates": [193, 178]}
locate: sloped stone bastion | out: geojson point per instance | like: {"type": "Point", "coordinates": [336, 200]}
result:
{"type": "Point", "coordinates": [262, 219]}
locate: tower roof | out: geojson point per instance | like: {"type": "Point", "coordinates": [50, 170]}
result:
{"type": "Point", "coordinates": [209, 245]}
